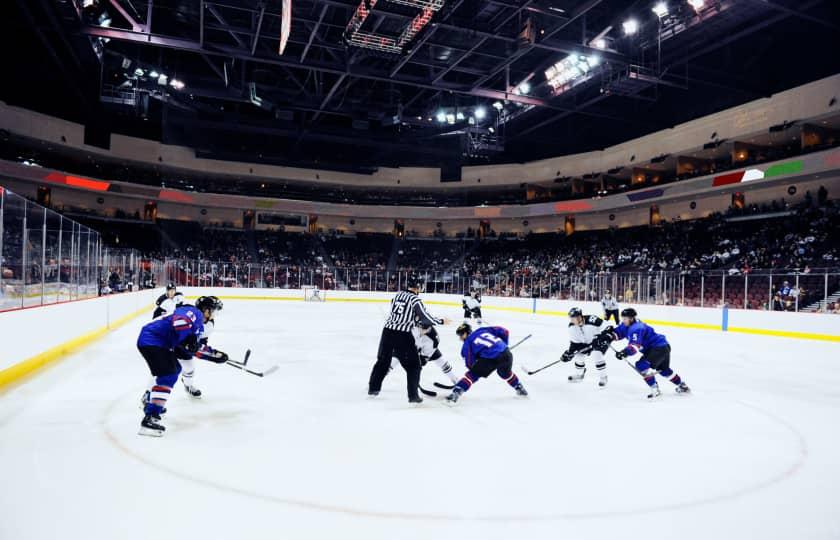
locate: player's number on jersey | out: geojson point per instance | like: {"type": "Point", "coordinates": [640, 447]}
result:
{"type": "Point", "coordinates": [487, 339]}
{"type": "Point", "coordinates": [399, 307]}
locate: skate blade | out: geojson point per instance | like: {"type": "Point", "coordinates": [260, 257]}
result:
{"type": "Point", "coordinates": [150, 432]}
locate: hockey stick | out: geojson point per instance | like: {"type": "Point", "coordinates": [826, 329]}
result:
{"type": "Point", "coordinates": [241, 365]}
{"type": "Point", "coordinates": [425, 392]}
{"type": "Point", "coordinates": [586, 350]}
{"type": "Point", "coordinates": [517, 344]}
{"type": "Point", "coordinates": [244, 362]}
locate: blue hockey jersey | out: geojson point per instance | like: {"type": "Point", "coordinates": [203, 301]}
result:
{"type": "Point", "coordinates": [640, 337]}
{"type": "Point", "coordinates": [487, 342]}
{"type": "Point", "coordinates": [185, 325]}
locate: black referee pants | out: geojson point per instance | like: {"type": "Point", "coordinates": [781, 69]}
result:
{"type": "Point", "coordinates": [400, 345]}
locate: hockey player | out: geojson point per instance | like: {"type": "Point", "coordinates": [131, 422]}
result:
{"type": "Point", "coordinates": [407, 310]}
{"type": "Point", "coordinates": [188, 362]}
{"type": "Point", "coordinates": [484, 351]}
{"type": "Point", "coordinates": [167, 302]}
{"type": "Point", "coordinates": [161, 343]}
{"type": "Point", "coordinates": [654, 348]}
{"type": "Point", "coordinates": [585, 340]}
{"type": "Point", "coordinates": [427, 340]}
{"type": "Point", "coordinates": [610, 307]}
{"type": "Point", "coordinates": [472, 306]}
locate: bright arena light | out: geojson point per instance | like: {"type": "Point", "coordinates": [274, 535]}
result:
{"type": "Point", "coordinates": [697, 4]}
{"type": "Point", "coordinates": [498, 105]}
{"type": "Point", "coordinates": [440, 116]}
{"type": "Point", "coordinates": [480, 113]}
{"type": "Point", "coordinates": [568, 69]}
{"type": "Point", "coordinates": [525, 87]}
{"type": "Point", "coordinates": [660, 9]}
{"type": "Point", "coordinates": [599, 43]}
{"type": "Point", "coordinates": [176, 84]}
{"type": "Point", "coordinates": [630, 26]}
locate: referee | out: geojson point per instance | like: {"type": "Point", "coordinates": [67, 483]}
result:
{"type": "Point", "coordinates": [407, 310]}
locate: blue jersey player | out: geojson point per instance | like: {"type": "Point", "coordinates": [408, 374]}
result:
{"type": "Point", "coordinates": [162, 342]}
{"type": "Point", "coordinates": [485, 350]}
{"type": "Point", "coordinates": [653, 350]}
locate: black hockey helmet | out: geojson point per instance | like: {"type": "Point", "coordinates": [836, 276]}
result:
{"type": "Point", "coordinates": [629, 312]}
{"type": "Point", "coordinates": [211, 303]}
{"type": "Point", "coordinates": [463, 329]}
{"type": "Point", "coordinates": [414, 281]}
{"type": "Point", "coordinates": [575, 312]}
{"type": "Point", "coordinates": [170, 286]}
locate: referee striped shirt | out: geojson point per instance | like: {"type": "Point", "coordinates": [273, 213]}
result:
{"type": "Point", "coordinates": [407, 310]}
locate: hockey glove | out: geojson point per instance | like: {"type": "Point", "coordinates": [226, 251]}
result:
{"type": "Point", "coordinates": [212, 355]}
{"type": "Point", "coordinates": [621, 355]}
{"type": "Point", "coordinates": [423, 360]}
{"type": "Point", "coordinates": [567, 356]}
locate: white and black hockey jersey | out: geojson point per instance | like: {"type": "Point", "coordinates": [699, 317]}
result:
{"type": "Point", "coordinates": [407, 310]}
{"type": "Point", "coordinates": [583, 335]}
{"type": "Point", "coordinates": [166, 305]}
{"type": "Point", "coordinates": [609, 304]}
{"type": "Point", "coordinates": [426, 340]}
{"type": "Point", "coordinates": [470, 303]}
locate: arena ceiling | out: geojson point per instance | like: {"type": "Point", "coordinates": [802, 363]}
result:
{"type": "Point", "coordinates": [362, 83]}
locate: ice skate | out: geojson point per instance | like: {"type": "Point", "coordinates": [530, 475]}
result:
{"type": "Point", "coordinates": [520, 390]}
{"type": "Point", "coordinates": [602, 382]}
{"type": "Point", "coordinates": [655, 393]}
{"type": "Point", "coordinates": [194, 392]}
{"type": "Point", "coordinates": [577, 377]}
{"type": "Point", "coordinates": [683, 388]}
{"type": "Point", "coordinates": [453, 398]}
{"type": "Point", "coordinates": [150, 426]}
{"type": "Point", "coordinates": [416, 400]}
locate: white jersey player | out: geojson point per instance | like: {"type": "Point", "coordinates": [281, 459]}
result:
{"type": "Point", "coordinates": [427, 340]}
{"type": "Point", "coordinates": [167, 302]}
{"type": "Point", "coordinates": [585, 340]}
{"type": "Point", "coordinates": [610, 307]}
{"type": "Point", "coordinates": [472, 306]}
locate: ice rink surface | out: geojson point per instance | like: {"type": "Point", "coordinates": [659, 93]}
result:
{"type": "Point", "coordinates": [753, 453]}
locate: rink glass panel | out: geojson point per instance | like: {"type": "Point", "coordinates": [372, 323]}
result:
{"type": "Point", "coordinates": [754, 290]}
{"type": "Point", "coordinates": [47, 258]}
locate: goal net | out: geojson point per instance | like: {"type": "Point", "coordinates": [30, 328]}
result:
{"type": "Point", "coordinates": [313, 294]}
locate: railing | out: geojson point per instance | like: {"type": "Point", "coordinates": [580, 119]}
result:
{"type": "Point", "coordinates": [779, 290]}
{"type": "Point", "coordinates": [47, 258]}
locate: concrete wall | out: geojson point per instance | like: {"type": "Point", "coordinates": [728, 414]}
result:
{"type": "Point", "coordinates": [807, 101]}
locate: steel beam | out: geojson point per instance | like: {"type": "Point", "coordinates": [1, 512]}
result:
{"type": "Point", "coordinates": [136, 26]}
{"type": "Point", "coordinates": [795, 13]}
{"type": "Point", "coordinates": [353, 71]}
{"type": "Point", "coordinates": [313, 32]}
{"type": "Point", "coordinates": [256, 38]}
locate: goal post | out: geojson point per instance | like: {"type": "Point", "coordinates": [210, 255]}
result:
{"type": "Point", "coordinates": [313, 294]}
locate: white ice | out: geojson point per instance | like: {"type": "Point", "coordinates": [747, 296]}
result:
{"type": "Point", "coordinates": [753, 453]}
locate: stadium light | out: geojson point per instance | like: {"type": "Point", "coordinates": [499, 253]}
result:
{"type": "Point", "coordinates": [162, 79]}
{"type": "Point", "coordinates": [631, 26]}
{"type": "Point", "coordinates": [498, 105]}
{"type": "Point", "coordinates": [139, 72]}
{"type": "Point", "coordinates": [459, 116]}
{"type": "Point", "coordinates": [660, 9]}
{"type": "Point", "coordinates": [480, 113]}
{"type": "Point", "coordinates": [450, 118]}
{"type": "Point", "coordinates": [600, 43]}
{"type": "Point", "coordinates": [524, 87]}
{"type": "Point", "coordinates": [154, 74]}
{"type": "Point", "coordinates": [441, 116]}
{"type": "Point", "coordinates": [697, 4]}
{"type": "Point", "coordinates": [176, 84]}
